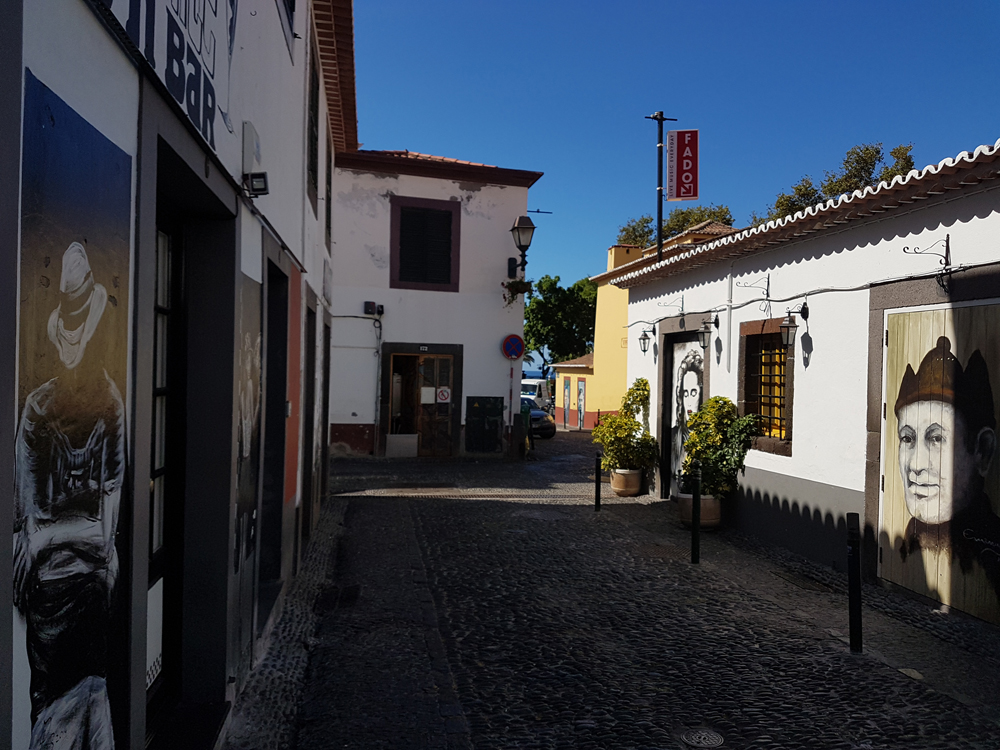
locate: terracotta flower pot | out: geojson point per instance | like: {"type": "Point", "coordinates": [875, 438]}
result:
{"type": "Point", "coordinates": [711, 510]}
{"type": "Point", "coordinates": [626, 482]}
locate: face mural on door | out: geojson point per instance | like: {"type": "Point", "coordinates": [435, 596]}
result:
{"type": "Point", "coordinates": [70, 449]}
{"type": "Point", "coordinates": [688, 379]}
{"type": "Point", "coordinates": [942, 484]}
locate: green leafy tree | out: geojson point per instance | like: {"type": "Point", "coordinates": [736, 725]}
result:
{"type": "Point", "coordinates": [559, 321]}
{"type": "Point", "coordinates": [863, 165]}
{"type": "Point", "coordinates": [642, 231]}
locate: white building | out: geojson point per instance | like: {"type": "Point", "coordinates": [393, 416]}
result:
{"type": "Point", "coordinates": [902, 275]}
{"type": "Point", "coordinates": [424, 242]}
{"type": "Point", "coordinates": [164, 325]}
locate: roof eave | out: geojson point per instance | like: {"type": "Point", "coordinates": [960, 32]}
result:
{"type": "Point", "coordinates": [384, 163]}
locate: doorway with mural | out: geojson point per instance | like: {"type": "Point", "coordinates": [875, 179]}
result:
{"type": "Point", "coordinates": [939, 510]}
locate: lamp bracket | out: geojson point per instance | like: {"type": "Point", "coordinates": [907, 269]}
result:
{"type": "Point", "coordinates": [764, 285]}
{"type": "Point", "coordinates": [944, 256]}
{"type": "Point", "coordinates": [673, 303]}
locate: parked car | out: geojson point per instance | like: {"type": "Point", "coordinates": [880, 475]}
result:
{"type": "Point", "coordinates": [542, 423]}
{"type": "Point", "coordinates": [538, 391]}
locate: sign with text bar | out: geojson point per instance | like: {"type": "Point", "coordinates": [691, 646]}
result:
{"type": "Point", "coordinates": [682, 165]}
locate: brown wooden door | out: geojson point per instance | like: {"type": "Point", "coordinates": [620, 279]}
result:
{"type": "Point", "coordinates": [435, 378]}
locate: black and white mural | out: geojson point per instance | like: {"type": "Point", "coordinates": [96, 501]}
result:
{"type": "Point", "coordinates": [688, 378]}
{"type": "Point", "coordinates": [939, 514]}
{"type": "Point", "coordinates": [70, 450]}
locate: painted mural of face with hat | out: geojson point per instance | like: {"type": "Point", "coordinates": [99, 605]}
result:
{"type": "Point", "coordinates": [947, 433]}
{"type": "Point", "coordinates": [81, 305]}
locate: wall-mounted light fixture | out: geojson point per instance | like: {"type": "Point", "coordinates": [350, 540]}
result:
{"type": "Point", "coordinates": [522, 232]}
{"type": "Point", "coordinates": [644, 340]}
{"type": "Point", "coordinates": [256, 183]}
{"type": "Point", "coordinates": [705, 335]}
{"type": "Point", "coordinates": [788, 326]}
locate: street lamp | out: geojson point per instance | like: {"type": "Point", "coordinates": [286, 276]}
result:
{"type": "Point", "coordinates": [705, 335]}
{"type": "Point", "coordinates": [644, 342]}
{"type": "Point", "coordinates": [522, 231]}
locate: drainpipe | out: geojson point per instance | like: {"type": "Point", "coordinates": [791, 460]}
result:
{"type": "Point", "coordinates": [729, 322]}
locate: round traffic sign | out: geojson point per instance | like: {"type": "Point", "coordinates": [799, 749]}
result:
{"type": "Point", "coordinates": [512, 346]}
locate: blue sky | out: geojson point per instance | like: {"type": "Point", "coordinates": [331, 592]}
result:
{"type": "Point", "coordinates": [777, 89]}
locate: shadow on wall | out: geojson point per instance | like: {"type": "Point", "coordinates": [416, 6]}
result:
{"type": "Point", "coordinates": [795, 526]}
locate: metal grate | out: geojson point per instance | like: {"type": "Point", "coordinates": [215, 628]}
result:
{"type": "Point", "coordinates": [765, 383]}
{"type": "Point", "coordinates": [702, 738]}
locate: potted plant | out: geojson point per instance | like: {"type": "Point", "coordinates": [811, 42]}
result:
{"type": "Point", "coordinates": [719, 439]}
{"type": "Point", "coordinates": [512, 288]}
{"type": "Point", "coordinates": [629, 449]}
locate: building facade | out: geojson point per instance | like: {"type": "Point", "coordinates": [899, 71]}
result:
{"type": "Point", "coordinates": [882, 401]}
{"type": "Point", "coordinates": [166, 257]}
{"type": "Point", "coordinates": [419, 313]}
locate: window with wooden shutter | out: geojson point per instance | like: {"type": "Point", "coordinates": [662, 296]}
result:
{"type": "Point", "coordinates": [425, 248]}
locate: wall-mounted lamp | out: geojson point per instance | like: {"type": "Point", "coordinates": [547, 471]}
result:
{"type": "Point", "coordinates": [644, 340]}
{"type": "Point", "coordinates": [788, 328]}
{"type": "Point", "coordinates": [705, 335]}
{"type": "Point", "coordinates": [256, 183]}
{"type": "Point", "coordinates": [522, 232]}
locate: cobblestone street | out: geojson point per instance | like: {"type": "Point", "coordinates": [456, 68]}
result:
{"type": "Point", "coordinates": [486, 605]}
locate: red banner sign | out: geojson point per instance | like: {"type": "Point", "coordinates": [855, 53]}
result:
{"type": "Point", "coordinates": [682, 165]}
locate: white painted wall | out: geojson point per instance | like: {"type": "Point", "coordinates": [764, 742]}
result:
{"type": "Point", "coordinates": [474, 317]}
{"type": "Point", "coordinates": [830, 394]}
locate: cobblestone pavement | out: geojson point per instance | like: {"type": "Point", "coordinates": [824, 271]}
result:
{"type": "Point", "coordinates": [487, 605]}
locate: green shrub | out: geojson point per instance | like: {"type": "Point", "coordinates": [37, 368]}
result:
{"type": "Point", "coordinates": [626, 442]}
{"type": "Point", "coordinates": [719, 438]}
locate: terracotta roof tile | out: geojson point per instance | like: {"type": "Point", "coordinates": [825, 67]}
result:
{"type": "Point", "coordinates": [587, 360]}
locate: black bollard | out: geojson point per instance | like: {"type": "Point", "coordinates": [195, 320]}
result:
{"type": "Point", "coordinates": [854, 579]}
{"type": "Point", "coordinates": [597, 482]}
{"type": "Point", "coordinates": [696, 513]}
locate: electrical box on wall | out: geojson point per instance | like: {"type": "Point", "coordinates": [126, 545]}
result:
{"type": "Point", "coordinates": [372, 308]}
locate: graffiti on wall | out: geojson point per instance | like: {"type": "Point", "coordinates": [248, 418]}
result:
{"type": "Point", "coordinates": [688, 377]}
{"type": "Point", "coordinates": [190, 44]}
{"type": "Point", "coordinates": [70, 450]}
{"type": "Point", "coordinates": [942, 476]}
{"type": "Point", "coordinates": [248, 438]}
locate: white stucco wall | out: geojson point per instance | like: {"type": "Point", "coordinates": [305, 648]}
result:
{"type": "Point", "coordinates": [474, 317]}
{"type": "Point", "coordinates": [830, 385]}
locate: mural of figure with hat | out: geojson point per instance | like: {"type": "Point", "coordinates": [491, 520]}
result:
{"type": "Point", "coordinates": [70, 462]}
{"type": "Point", "coordinates": [947, 441]}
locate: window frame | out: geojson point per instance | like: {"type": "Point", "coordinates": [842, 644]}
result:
{"type": "Point", "coordinates": [313, 131]}
{"type": "Point", "coordinates": [399, 202]}
{"type": "Point", "coordinates": [764, 443]}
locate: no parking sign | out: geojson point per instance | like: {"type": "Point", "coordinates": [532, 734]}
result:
{"type": "Point", "coordinates": [512, 346]}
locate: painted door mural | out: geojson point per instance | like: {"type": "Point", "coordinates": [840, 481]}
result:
{"type": "Point", "coordinates": [566, 393]}
{"type": "Point", "coordinates": [581, 402]}
{"type": "Point", "coordinates": [940, 534]}
{"type": "Point", "coordinates": [687, 381]}
{"type": "Point", "coordinates": [248, 370]}
{"type": "Point", "coordinates": [435, 374]}
{"type": "Point", "coordinates": [70, 450]}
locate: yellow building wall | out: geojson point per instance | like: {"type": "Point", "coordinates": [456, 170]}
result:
{"type": "Point", "coordinates": [609, 381]}
{"type": "Point", "coordinates": [571, 420]}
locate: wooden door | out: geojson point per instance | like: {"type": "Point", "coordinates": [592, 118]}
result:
{"type": "Point", "coordinates": [435, 376]}
{"type": "Point", "coordinates": [940, 489]}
